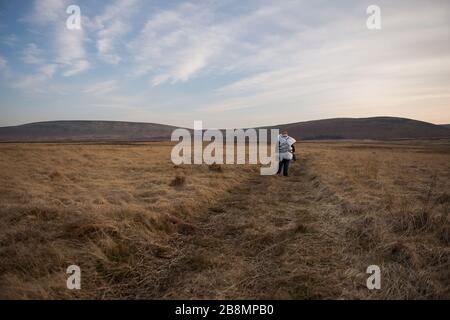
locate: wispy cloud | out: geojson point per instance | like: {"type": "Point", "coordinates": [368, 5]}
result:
{"type": "Point", "coordinates": [11, 40]}
{"type": "Point", "coordinates": [35, 81]}
{"type": "Point", "coordinates": [3, 63]}
{"type": "Point", "coordinates": [67, 45]}
{"type": "Point", "coordinates": [101, 88]}
{"type": "Point", "coordinates": [175, 45]}
{"type": "Point", "coordinates": [70, 51]}
{"type": "Point", "coordinates": [178, 45]}
{"type": "Point", "coordinates": [112, 25]}
{"type": "Point", "coordinates": [32, 54]}
{"type": "Point", "coordinates": [45, 12]}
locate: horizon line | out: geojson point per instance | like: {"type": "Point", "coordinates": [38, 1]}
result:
{"type": "Point", "coordinates": [261, 126]}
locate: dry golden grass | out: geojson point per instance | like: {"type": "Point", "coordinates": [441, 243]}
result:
{"type": "Point", "coordinates": [396, 205]}
{"type": "Point", "coordinates": [140, 227]}
{"type": "Point", "coordinates": [108, 208]}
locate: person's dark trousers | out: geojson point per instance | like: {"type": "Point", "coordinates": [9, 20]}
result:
{"type": "Point", "coordinates": [284, 164]}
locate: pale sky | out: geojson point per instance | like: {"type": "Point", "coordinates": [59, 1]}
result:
{"type": "Point", "coordinates": [228, 63]}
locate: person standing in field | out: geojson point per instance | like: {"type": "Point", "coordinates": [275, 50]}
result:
{"type": "Point", "coordinates": [286, 152]}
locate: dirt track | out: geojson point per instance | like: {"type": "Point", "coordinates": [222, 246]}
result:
{"type": "Point", "coordinates": [272, 237]}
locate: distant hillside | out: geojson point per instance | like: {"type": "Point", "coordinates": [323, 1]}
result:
{"type": "Point", "coordinates": [445, 125]}
{"type": "Point", "coordinates": [378, 128]}
{"type": "Point", "coordinates": [87, 131]}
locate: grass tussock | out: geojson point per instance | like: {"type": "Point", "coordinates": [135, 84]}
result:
{"type": "Point", "coordinates": [178, 181]}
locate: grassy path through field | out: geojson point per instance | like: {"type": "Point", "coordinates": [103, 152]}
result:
{"type": "Point", "coordinates": [272, 237]}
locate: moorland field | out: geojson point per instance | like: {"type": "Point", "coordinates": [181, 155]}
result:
{"type": "Point", "coordinates": [140, 227]}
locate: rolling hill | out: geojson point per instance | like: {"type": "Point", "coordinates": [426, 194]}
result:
{"type": "Point", "coordinates": [377, 128]}
{"type": "Point", "coordinates": [87, 131]}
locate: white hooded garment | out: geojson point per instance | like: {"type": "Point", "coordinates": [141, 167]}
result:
{"type": "Point", "coordinates": [285, 147]}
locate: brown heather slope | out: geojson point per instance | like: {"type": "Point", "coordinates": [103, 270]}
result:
{"type": "Point", "coordinates": [87, 131]}
{"type": "Point", "coordinates": [377, 128]}
{"type": "Point", "coordinates": [140, 227]}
